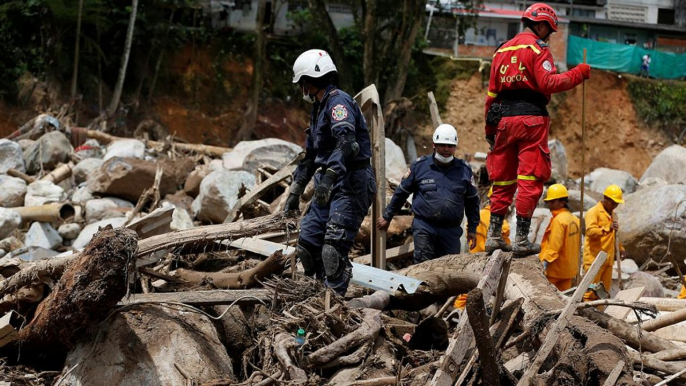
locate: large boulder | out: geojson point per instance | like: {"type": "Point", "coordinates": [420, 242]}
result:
{"type": "Point", "coordinates": [108, 207]}
{"type": "Point", "coordinates": [147, 345]}
{"type": "Point", "coordinates": [125, 148]}
{"type": "Point", "coordinates": [249, 155]}
{"type": "Point", "coordinates": [85, 169]}
{"type": "Point", "coordinates": [90, 230]}
{"type": "Point", "coordinates": [650, 218]}
{"type": "Point", "coordinates": [9, 221]}
{"type": "Point", "coordinates": [48, 151]}
{"type": "Point", "coordinates": [11, 156]}
{"type": "Point", "coordinates": [43, 192]}
{"type": "Point", "coordinates": [395, 161]}
{"type": "Point", "coordinates": [558, 159]}
{"type": "Point", "coordinates": [219, 193]}
{"type": "Point", "coordinates": [604, 177]}
{"type": "Point", "coordinates": [42, 235]}
{"type": "Point", "coordinates": [670, 165]}
{"type": "Point", "coordinates": [192, 184]}
{"type": "Point", "coordinates": [12, 192]}
{"type": "Point", "coordinates": [128, 178]}
{"type": "Point", "coordinates": [590, 199]}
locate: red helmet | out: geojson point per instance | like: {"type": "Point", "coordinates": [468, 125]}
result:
{"type": "Point", "coordinates": [541, 12]}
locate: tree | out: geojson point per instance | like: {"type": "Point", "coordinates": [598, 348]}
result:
{"type": "Point", "coordinates": [116, 95]}
{"type": "Point", "coordinates": [76, 51]}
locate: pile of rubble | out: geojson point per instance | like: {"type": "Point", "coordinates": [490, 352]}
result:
{"type": "Point", "coordinates": [132, 261]}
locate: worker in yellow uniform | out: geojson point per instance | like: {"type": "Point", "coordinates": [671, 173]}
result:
{"type": "Point", "coordinates": [481, 233]}
{"type": "Point", "coordinates": [560, 245]}
{"type": "Point", "coordinates": [682, 294]}
{"type": "Point", "coordinates": [601, 229]}
{"type": "Point", "coordinates": [482, 229]}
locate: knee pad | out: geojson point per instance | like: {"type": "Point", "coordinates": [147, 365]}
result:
{"type": "Point", "coordinates": [334, 261]}
{"type": "Point", "coordinates": [307, 258]}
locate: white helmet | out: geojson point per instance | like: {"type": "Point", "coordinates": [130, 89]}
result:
{"type": "Point", "coordinates": [312, 63]}
{"type": "Point", "coordinates": [445, 134]}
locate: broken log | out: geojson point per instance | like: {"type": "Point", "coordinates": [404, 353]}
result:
{"type": "Point", "coordinates": [200, 237]}
{"type": "Point", "coordinates": [203, 298]}
{"type": "Point", "coordinates": [476, 311]}
{"type": "Point", "coordinates": [670, 355]}
{"type": "Point", "coordinates": [665, 304]}
{"type": "Point", "coordinates": [561, 323]}
{"type": "Point", "coordinates": [664, 320]}
{"type": "Point", "coordinates": [282, 343]}
{"type": "Point", "coordinates": [656, 364]}
{"type": "Point", "coordinates": [85, 294]}
{"type": "Point", "coordinates": [274, 264]}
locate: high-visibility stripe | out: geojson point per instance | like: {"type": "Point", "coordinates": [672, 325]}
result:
{"type": "Point", "coordinates": [519, 47]}
{"type": "Point", "coordinates": [528, 178]}
{"type": "Point", "coordinates": [492, 94]}
{"type": "Point", "coordinates": [504, 183]}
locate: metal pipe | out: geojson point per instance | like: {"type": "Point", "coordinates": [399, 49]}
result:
{"type": "Point", "coordinates": [46, 213]}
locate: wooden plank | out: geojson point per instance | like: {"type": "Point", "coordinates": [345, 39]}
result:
{"type": "Point", "coordinates": [8, 333]}
{"type": "Point", "coordinates": [368, 99]}
{"type": "Point", "coordinates": [259, 246]}
{"type": "Point", "coordinates": [628, 296]}
{"type": "Point", "coordinates": [464, 336]}
{"type": "Point", "coordinates": [203, 298]}
{"type": "Point", "coordinates": [255, 193]}
{"type": "Point", "coordinates": [155, 223]}
{"type": "Point", "coordinates": [433, 109]}
{"type": "Point", "coordinates": [614, 375]}
{"type": "Point", "coordinates": [391, 254]}
{"type": "Point", "coordinates": [561, 322]}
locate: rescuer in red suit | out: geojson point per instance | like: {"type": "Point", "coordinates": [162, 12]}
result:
{"type": "Point", "coordinates": [523, 76]}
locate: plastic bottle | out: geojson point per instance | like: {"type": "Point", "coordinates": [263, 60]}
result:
{"type": "Point", "coordinates": [300, 337]}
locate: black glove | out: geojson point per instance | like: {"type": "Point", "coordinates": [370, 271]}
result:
{"type": "Point", "coordinates": [323, 192]}
{"type": "Point", "coordinates": [491, 141]}
{"type": "Point", "coordinates": [292, 203]}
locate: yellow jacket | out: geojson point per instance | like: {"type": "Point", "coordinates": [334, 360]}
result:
{"type": "Point", "coordinates": [560, 245]}
{"type": "Point", "coordinates": [682, 294]}
{"type": "Point", "coordinates": [482, 230]}
{"type": "Point", "coordinates": [599, 235]}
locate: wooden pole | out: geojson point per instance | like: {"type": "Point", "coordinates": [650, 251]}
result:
{"type": "Point", "coordinates": [433, 109]}
{"type": "Point", "coordinates": [665, 320]}
{"type": "Point", "coordinates": [583, 176]}
{"type": "Point", "coordinates": [561, 322]}
{"type": "Point", "coordinates": [617, 255]}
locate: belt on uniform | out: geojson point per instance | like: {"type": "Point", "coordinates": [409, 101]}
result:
{"type": "Point", "coordinates": [360, 164]}
{"type": "Point", "coordinates": [517, 108]}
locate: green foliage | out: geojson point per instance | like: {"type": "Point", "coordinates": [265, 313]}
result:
{"type": "Point", "coordinates": [660, 104]}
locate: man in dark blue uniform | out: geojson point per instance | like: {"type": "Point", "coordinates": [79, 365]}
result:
{"type": "Point", "coordinates": [443, 192]}
{"type": "Point", "coordinates": [337, 153]}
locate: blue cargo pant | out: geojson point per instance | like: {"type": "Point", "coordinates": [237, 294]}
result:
{"type": "Point", "coordinates": [431, 241]}
{"type": "Point", "coordinates": [337, 223]}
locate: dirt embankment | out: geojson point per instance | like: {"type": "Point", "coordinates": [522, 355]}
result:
{"type": "Point", "coordinates": [615, 137]}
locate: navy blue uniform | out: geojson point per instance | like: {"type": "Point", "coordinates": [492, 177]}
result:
{"type": "Point", "coordinates": [442, 195]}
{"type": "Point", "coordinates": [337, 140]}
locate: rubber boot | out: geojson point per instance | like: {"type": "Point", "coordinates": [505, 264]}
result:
{"type": "Point", "coordinates": [522, 246]}
{"type": "Point", "coordinates": [494, 239]}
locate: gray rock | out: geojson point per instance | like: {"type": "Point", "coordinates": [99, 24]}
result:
{"type": "Point", "coordinates": [42, 235]}
{"type": "Point", "coordinates": [11, 156]}
{"type": "Point", "coordinates": [558, 159]}
{"type": "Point", "coordinates": [650, 217]}
{"type": "Point", "coordinates": [89, 230]}
{"type": "Point", "coordinates": [109, 207]}
{"type": "Point", "coordinates": [69, 231]}
{"type": "Point", "coordinates": [268, 149]}
{"type": "Point", "coordinates": [48, 151]}
{"type": "Point", "coordinates": [9, 221]}
{"type": "Point", "coordinates": [181, 220]}
{"type": "Point", "coordinates": [11, 243]}
{"type": "Point", "coordinates": [590, 199]}
{"type": "Point", "coordinates": [43, 192]}
{"type": "Point", "coordinates": [90, 149]}
{"type": "Point", "coordinates": [25, 144]}
{"type": "Point", "coordinates": [125, 148]}
{"type": "Point", "coordinates": [396, 166]}
{"type": "Point", "coordinates": [82, 195]}
{"type": "Point", "coordinates": [12, 192]}
{"type": "Point", "coordinates": [604, 177]}
{"type": "Point", "coordinates": [653, 287]}
{"type": "Point", "coordinates": [86, 168]}
{"type": "Point", "coordinates": [651, 181]}
{"type": "Point", "coordinates": [670, 165]}
{"type": "Point", "coordinates": [219, 193]}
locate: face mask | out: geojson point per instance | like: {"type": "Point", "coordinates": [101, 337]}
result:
{"type": "Point", "coordinates": [309, 98]}
{"type": "Point", "coordinates": [443, 160]}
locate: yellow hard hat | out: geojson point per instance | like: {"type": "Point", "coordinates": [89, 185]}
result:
{"type": "Point", "coordinates": [556, 191]}
{"type": "Point", "coordinates": [614, 192]}
{"type": "Point", "coordinates": [490, 192]}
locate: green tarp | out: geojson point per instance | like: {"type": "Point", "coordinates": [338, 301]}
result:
{"type": "Point", "coordinates": [625, 58]}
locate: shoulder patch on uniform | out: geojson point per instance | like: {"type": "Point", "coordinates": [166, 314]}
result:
{"type": "Point", "coordinates": [541, 43]}
{"type": "Point", "coordinates": [339, 112]}
{"type": "Point", "coordinates": [407, 173]}
{"type": "Point", "coordinates": [547, 66]}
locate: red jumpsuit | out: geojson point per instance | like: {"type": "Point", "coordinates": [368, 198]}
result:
{"type": "Point", "coordinates": [520, 158]}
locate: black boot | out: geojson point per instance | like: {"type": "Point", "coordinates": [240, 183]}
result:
{"type": "Point", "coordinates": [522, 246]}
{"type": "Point", "coordinates": [494, 239]}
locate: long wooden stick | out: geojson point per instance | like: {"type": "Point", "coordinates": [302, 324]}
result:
{"type": "Point", "coordinates": [618, 258]}
{"type": "Point", "coordinates": [614, 375]}
{"type": "Point", "coordinates": [561, 322]}
{"type": "Point", "coordinates": [665, 320]}
{"type": "Point", "coordinates": [583, 176]}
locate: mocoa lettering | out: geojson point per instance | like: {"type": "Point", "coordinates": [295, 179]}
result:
{"type": "Point", "coordinates": [513, 78]}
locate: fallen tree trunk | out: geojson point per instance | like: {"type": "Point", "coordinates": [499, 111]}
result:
{"type": "Point", "coordinates": [591, 351]}
{"type": "Point", "coordinates": [84, 296]}
{"type": "Point", "coordinates": [275, 263]}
